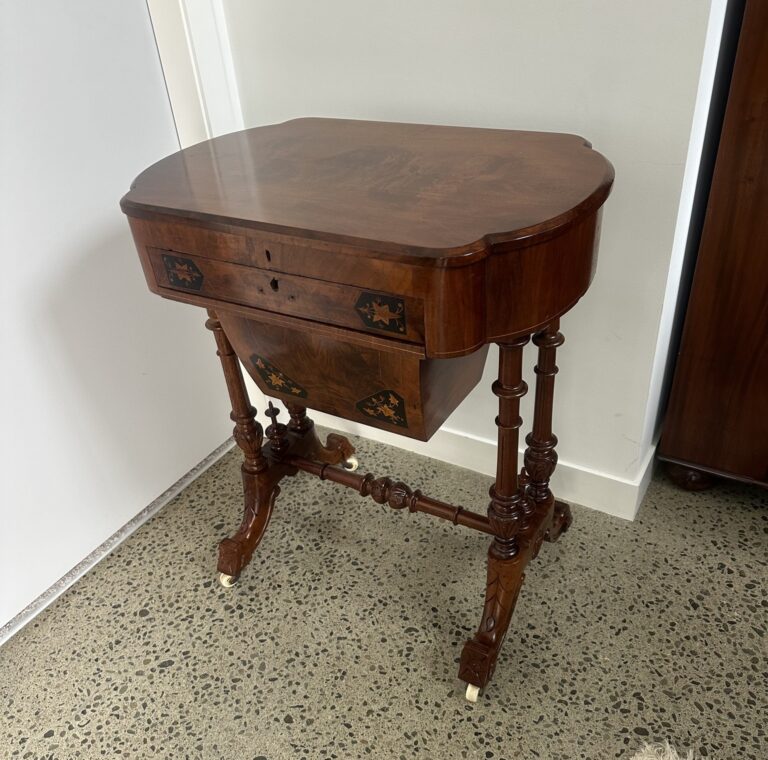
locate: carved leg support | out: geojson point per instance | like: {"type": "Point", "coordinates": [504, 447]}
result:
{"type": "Point", "coordinates": [337, 449]}
{"type": "Point", "coordinates": [260, 474]}
{"type": "Point", "coordinates": [260, 487]}
{"type": "Point", "coordinates": [507, 515]}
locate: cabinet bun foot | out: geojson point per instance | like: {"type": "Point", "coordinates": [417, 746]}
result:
{"type": "Point", "coordinates": [689, 478]}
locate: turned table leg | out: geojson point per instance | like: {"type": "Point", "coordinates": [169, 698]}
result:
{"type": "Point", "coordinates": [540, 456]}
{"type": "Point", "coordinates": [506, 515]}
{"type": "Point", "coordinates": [260, 488]}
{"type": "Point", "coordinates": [523, 512]}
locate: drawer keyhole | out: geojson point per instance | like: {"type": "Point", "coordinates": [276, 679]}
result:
{"type": "Point", "coordinates": [274, 284]}
{"type": "Point", "coordinates": [268, 255]}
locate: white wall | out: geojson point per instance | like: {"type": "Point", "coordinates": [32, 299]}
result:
{"type": "Point", "coordinates": [622, 73]}
{"type": "Point", "coordinates": [109, 394]}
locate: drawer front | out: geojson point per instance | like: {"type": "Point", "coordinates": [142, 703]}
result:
{"type": "Point", "coordinates": [376, 384]}
{"type": "Point", "coordinates": [327, 302]}
{"type": "Point", "coordinates": [304, 366]}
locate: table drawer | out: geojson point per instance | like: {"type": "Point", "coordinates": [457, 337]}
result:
{"type": "Point", "coordinates": [378, 384]}
{"type": "Point", "coordinates": [305, 297]}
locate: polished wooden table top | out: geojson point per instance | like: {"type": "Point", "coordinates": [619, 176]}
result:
{"type": "Point", "coordinates": [420, 190]}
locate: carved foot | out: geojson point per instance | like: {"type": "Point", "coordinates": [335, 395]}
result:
{"type": "Point", "coordinates": [478, 658]}
{"type": "Point", "coordinates": [260, 491]}
{"type": "Point", "coordinates": [689, 478]}
{"type": "Point", "coordinates": [561, 521]}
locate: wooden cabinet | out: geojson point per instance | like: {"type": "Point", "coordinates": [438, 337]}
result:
{"type": "Point", "coordinates": [717, 419]}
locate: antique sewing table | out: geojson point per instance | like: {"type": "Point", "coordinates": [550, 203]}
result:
{"type": "Point", "coordinates": [362, 269]}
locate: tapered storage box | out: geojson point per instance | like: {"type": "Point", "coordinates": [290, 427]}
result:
{"type": "Point", "coordinates": [384, 383]}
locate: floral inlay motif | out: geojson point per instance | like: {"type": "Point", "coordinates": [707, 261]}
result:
{"type": "Point", "coordinates": [387, 406]}
{"type": "Point", "coordinates": [275, 379]}
{"type": "Point", "coordinates": [382, 312]}
{"type": "Point", "coordinates": [182, 273]}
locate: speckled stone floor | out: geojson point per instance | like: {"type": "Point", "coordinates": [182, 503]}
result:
{"type": "Point", "coordinates": [342, 638]}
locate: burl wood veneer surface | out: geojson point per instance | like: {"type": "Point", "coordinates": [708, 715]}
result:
{"type": "Point", "coordinates": [424, 190]}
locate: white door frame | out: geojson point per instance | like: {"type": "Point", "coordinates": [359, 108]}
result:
{"type": "Point", "coordinates": [193, 43]}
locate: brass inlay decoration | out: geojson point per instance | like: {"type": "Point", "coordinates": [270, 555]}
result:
{"type": "Point", "coordinates": [275, 379]}
{"type": "Point", "coordinates": [382, 312]}
{"type": "Point", "coordinates": [182, 273]}
{"type": "Point", "coordinates": [386, 406]}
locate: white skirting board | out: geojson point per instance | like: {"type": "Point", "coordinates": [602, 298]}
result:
{"type": "Point", "coordinates": [35, 607]}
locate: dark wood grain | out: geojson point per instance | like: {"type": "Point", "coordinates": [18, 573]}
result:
{"type": "Point", "coordinates": [345, 373]}
{"type": "Point", "coordinates": [362, 269]}
{"type": "Point", "coordinates": [507, 512]}
{"type": "Point", "coordinates": [395, 494]}
{"type": "Point", "coordinates": [305, 297]}
{"type": "Point", "coordinates": [717, 418]}
{"type": "Point", "coordinates": [464, 307]}
{"type": "Point", "coordinates": [540, 455]}
{"type": "Point", "coordinates": [420, 190]}
{"type": "Point", "coordinates": [260, 487]}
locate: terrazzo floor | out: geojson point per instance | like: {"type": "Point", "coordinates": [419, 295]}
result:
{"type": "Point", "coordinates": [342, 638]}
